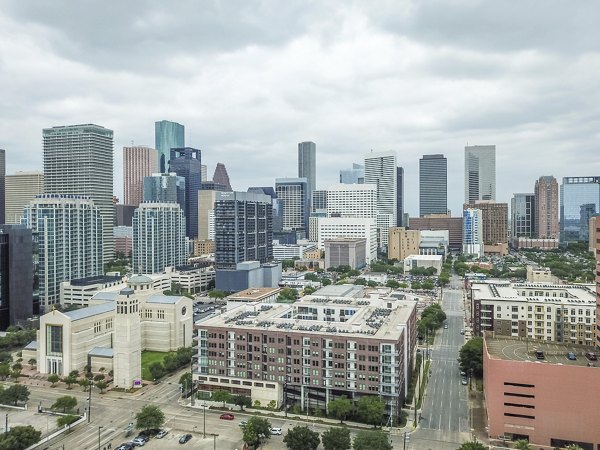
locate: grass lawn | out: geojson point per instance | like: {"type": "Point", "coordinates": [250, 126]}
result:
{"type": "Point", "coordinates": [148, 358]}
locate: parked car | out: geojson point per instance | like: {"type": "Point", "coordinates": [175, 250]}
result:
{"type": "Point", "coordinates": [183, 439]}
{"type": "Point", "coordinates": [276, 431]}
{"type": "Point", "coordinates": [591, 356]}
{"type": "Point", "coordinates": [226, 416]}
{"type": "Point", "coordinates": [464, 381]}
{"type": "Point", "coordinates": [161, 434]}
{"type": "Point", "coordinates": [243, 423]}
{"type": "Point", "coordinates": [571, 356]}
{"type": "Point", "coordinates": [445, 326]}
{"type": "Point", "coordinates": [539, 354]}
{"type": "Point", "coordinates": [138, 442]}
{"type": "Point", "coordinates": [125, 446]}
{"type": "Point", "coordinates": [462, 331]}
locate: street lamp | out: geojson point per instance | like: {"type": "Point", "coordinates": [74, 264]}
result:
{"type": "Point", "coordinates": [99, 428]}
{"type": "Point", "coordinates": [285, 398]}
{"type": "Point", "coordinates": [90, 402]}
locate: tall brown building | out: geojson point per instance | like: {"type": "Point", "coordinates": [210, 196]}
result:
{"type": "Point", "coordinates": [138, 162]}
{"type": "Point", "coordinates": [494, 218]}
{"type": "Point", "coordinates": [546, 208]}
{"type": "Point", "coordinates": [436, 222]}
{"type": "Point", "coordinates": [597, 227]}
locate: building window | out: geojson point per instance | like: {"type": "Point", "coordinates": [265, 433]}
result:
{"type": "Point", "coordinates": [161, 313]}
{"type": "Point", "coordinates": [109, 324]}
{"type": "Point", "coordinates": [54, 340]}
{"type": "Point", "coordinates": [97, 327]}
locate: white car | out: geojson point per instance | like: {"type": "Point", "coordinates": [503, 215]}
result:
{"type": "Point", "coordinates": [276, 431]}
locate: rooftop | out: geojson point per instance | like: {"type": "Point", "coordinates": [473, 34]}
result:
{"type": "Point", "coordinates": [90, 311]}
{"type": "Point", "coordinates": [520, 349]}
{"type": "Point", "coordinates": [253, 294]}
{"type": "Point", "coordinates": [341, 290]}
{"type": "Point", "coordinates": [101, 351]}
{"type": "Point", "coordinates": [499, 290]}
{"type": "Point", "coordinates": [167, 299]}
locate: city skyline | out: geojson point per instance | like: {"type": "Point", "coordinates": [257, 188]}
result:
{"type": "Point", "coordinates": [246, 96]}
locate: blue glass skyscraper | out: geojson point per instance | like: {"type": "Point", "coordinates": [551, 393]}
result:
{"type": "Point", "coordinates": [185, 162]}
{"type": "Point", "coordinates": [165, 188]}
{"type": "Point", "coordinates": [579, 200]}
{"type": "Point", "coordinates": [167, 135]}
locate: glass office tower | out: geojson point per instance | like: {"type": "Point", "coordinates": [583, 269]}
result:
{"type": "Point", "coordinates": [579, 200]}
{"type": "Point", "coordinates": [167, 135]}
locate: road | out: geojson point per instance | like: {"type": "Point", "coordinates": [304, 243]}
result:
{"type": "Point", "coordinates": [445, 414]}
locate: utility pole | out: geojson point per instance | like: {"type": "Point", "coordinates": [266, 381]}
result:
{"type": "Point", "coordinates": [192, 381]}
{"type": "Point", "coordinates": [90, 402]}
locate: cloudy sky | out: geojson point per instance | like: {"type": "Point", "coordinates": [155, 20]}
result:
{"type": "Point", "coordinates": [251, 79]}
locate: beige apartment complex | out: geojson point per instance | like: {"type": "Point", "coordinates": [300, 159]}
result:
{"type": "Point", "coordinates": [403, 243]}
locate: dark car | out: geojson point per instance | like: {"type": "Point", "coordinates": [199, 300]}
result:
{"type": "Point", "coordinates": [571, 356]}
{"type": "Point", "coordinates": [591, 356]}
{"type": "Point", "coordinates": [226, 416]}
{"type": "Point", "coordinates": [183, 439]}
{"type": "Point", "coordinates": [125, 446]}
{"type": "Point", "coordinates": [539, 354]}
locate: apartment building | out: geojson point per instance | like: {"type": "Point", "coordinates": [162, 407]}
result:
{"type": "Point", "coordinates": [310, 352]}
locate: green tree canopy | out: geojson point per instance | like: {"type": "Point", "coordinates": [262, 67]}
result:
{"type": "Point", "coordinates": [340, 408]}
{"type": "Point", "coordinates": [288, 294]}
{"type": "Point", "coordinates": [221, 396]}
{"type": "Point", "coordinates": [471, 356]}
{"type": "Point", "coordinates": [19, 438]}
{"type": "Point", "coordinates": [69, 380]}
{"type": "Point", "coordinates": [370, 409]}
{"type": "Point", "coordinates": [157, 370]}
{"type": "Point", "coordinates": [523, 444]}
{"type": "Point", "coordinates": [241, 401]}
{"type": "Point", "coordinates": [336, 438]}
{"type": "Point", "coordinates": [308, 290]}
{"type": "Point", "coordinates": [371, 440]}
{"type": "Point", "coordinates": [102, 385]}
{"type": "Point", "coordinates": [66, 420]}
{"type": "Point", "coordinates": [256, 430]}
{"type": "Point", "coordinates": [392, 284]}
{"type": "Point", "coordinates": [325, 281]}
{"type": "Point", "coordinates": [66, 403]}
{"type": "Point", "coordinates": [301, 438]}
{"type": "Point", "coordinates": [53, 378]}
{"type": "Point", "coordinates": [14, 394]}
{"type": "Point", "coordinates": [472, 445]}
{"type": "Point", "coordinates": [150, 417]}
{"type": "Point", "coordinates": [216, 293]}
{"type": "Point", "coordinates": [84, 383]}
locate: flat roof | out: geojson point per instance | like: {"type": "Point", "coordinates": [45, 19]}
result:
{"type": "Point", "coordinates": [499, 290]}
{"type": "Point", "coordinates": [253, 294]}
{"type": "Point", "coordinates": [103, 352]}
{"type": "Point", "coordinates": [341, 290]}
{"type": "Point", "coordinates": [166, 299]}
{"type": "Point", "coordinates": [521, 349]}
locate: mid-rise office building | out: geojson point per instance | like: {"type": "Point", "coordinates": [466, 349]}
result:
{"type": "Point", "coordinates": [165, 188]}
{"type": "Point", "coordinates": [480, 173]}
{"type": "Point", "coordinates": [440, 222]}
{"type": "Point", "coordinates": [138, 162]}
{"type": "Point", "coordinates": [167, 135]}
{"type": "Point", "coordinates": [243, 229]}
{"type": "Point", "coordinates": [123, 236]}
{"type": "Point", "coordinates": [68, 232]}
{"type": "Point", "coordinates": [381, 170]}
{"type": "Point", "coordinates": [354, 228]}
{"type": "Point", "coordinates": [21, 188]}
{"type": "Point", "coordinates": [352, 200]}
{"type": "Point", "coordinates": [318, 202]}
{"type": "Point", "coordinates": [597, 252]}
{"type": "Point", "coordinates": [400, 196]}
{"type": "Point", "coordinates": [294, 196]}
{"type": "Point", "coordinates": [334, 346]}
{"type": "Point", "coordinates": [346, 252]}
{"type": "Point", "coordinates": [403, 243]}
{"type": "Point", "coordinates": [221, 177]}
{"type": "Point", "coordinates": [185, 162]}
{"type": "Point", "coordinates": [124, 215]}
{"type": "Point", "coordinates": [579, 200]}
{"type": "Point", "coordinates": [494, 220]}
{"type": "Point", "coordinates": [78, 160]}
{"type": "Point", "coordinates": [472, 232]}
{"type": "Point", "coordinates": [355, 175]}
{"type": "Point", "coordinates": [546, 208]}
{"type": "Point", "coordinates": [307, 164]}
{"type": "Point", "coordinates": [433, 185]}
{"type": "Point", "coordinates": [159, 239]}
{"type": "Point", "coordinates": [16, 275]}
{"type": "Point", "coordinates": [2, 185]}
{"type": "Point", "coordinates": [523, 220]}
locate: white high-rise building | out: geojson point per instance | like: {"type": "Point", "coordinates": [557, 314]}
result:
{"type": "Point", "coordinates": [380, 169]}
{"type": "Point", "coordinates": [21, 188]}
{"type": "Point", "coordinates": [78, 160]}
{"type": "Point", "coordinates": [158, 237]}
{"type": "Point", "coordinates": [352, 200]}
{"type": "Point", "coordinates": [480, 173]}
{"type": "Point", "coordinates": [344, 227]}
{"type": "Point", "coordinates": [472, 232]}
{"type": "Point", "coordinates": [68, 230]}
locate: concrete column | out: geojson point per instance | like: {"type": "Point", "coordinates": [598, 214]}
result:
{"type": "Point", "coordinates": [327, 400]}
{"type": "Point", "coordinates": [302, 396]}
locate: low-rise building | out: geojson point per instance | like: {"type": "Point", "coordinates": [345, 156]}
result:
{"type": "Point", "coordinates": [192, 279]}
{"type": "Point", "coordinates": [255, 295]}
{"type": "Point", "coordinates": [424, 261]}
{"type": "Point", "coordinates": [539, 244]}
{"type": "Point", "coordinates": [544, 393]}
{"type": "Point", "coordinates": [203, 247]}
{"type": "Point", "coordinates": [540, 275]}
{"type": "Point", "coordinates": [312, 351]}
{"type": "Point", "coordinates": [346, 252]}
{"type": "Point", "coordinates": [292, 251]}
{"type": "Point", "coordinates": [403, 243]}
{"type": "Point", "coordinates": [546, 312]}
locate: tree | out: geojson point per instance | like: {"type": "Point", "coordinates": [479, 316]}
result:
{"type": "Point", "coordinates": [360, 281]}
{"type": "Point", "coordinates": [241, 401]}
{"type": "Point", "coordinates": [157, 370]}
{"type": "Point", "coordinates": [370, 409]}
{"type": "Point", "coordinates": [99, 377]}
{"type": "Point", "coordinates": [472, 445]}
{"type": "Point", "coordinates": [14, 394]}
{"type": "Point", "coordinates": [471, 356]}
{"type": "Point", "coordinates": [255, 430]}
{"type": "Point", "coordinates": [372, 284]}
{"type": "Point", "coordinates": [221, 396]}
{"type": "Point", "coordinates": [340, 407]}
{"type": "Point", "coordinates": [15, 374]}
{"type": "Point", "coordinates": [84, 383]}
{"type": "Point", "coordinates": [336, 438]}
{"type": "Point", "coordinates": [523, 444]}
{"type": "Point", "coordinates": [32, 362]}
{"type": "Point", "coordinates": [325, 281]}
{"type": "Point", "coordinates": [54, 378]}
{"type": "Point", "coordinates": [19, 438]}
{"type": "Point", "coordinates": [288, 295]}
{"type": "Point", "coordinates": [371, 440]}
{"type": "Point", "coordinates": [272, 405]}
{"type": "Point", "coordinates": [4, 371]}
{"type": "Point", "coordinates": [392, 284]}
{"type": "Point", "coordinates": [308, 290]}
{"type": "Point", "coordinates": [217, 294]}
{"type": "Point", "coordinates": [301, 438]}
{"type": "Point", "coordinates": [185, 381]}
{"type": "Point", "coordinates": [63, 421]}
{"type": "Point", "coordinates": [102, 385]}
{"type": "Point", "coordinates": [150, 417]}
{"type": "Point", "coordinates": [69, 380]}
{"type": "Point", "coordinates": [65, 403]}
{"type": "Point", "coordinates": [573, 447]}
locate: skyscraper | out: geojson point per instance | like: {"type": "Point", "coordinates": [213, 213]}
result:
{"type": "Point", "coordinates": [546, 208]}
{"type": "Point", "coordinates": [185, 162]}
{"type": "Point", "coordinates": [472, 232]}
{"type": "Point", "coordinates": [158, 237]}
{"type": "Point", "coordinates": [523, 215]}
{"type": "Point", "coordinates": [21, 188]}
{"type": "Point", "coordinates": [243, 229]}
{"type": "Point", "coordinates": [480, 173]}
{"type": "Point", "coordinates": [165, 188]}
{"type": "Point", "coordinates": [78, 160]}
{"type": "Point", "coordinates": [399, 196]}
{"type": "Point", "coordinates": [68, 230]}
{"type": "Point", "coordinates": [352, 200]}
{"type": "Point", "coordinates": [167, 135]}
{"type": "Point", "coordinates": [16, 275]}
{"type": "Point", "coordinates": [2, 186]}
{"type": "Point", "coordinates": [380, 169]}
{"type": "Point", "coordinates": [579, 200]}
{"type": "Point", "coordinates": [138, 162]}
{"type": "Point", "coordinates": [307, 164]}
{"type": "Point", "coordinates": [356, 175]}
{"type": "Point", "coordinates": [222, 177]}
{"type": "Point", "coordinates": [293, 194]}
{"type": "Point", "coordinates": [494, 221]}
{"type": "Point", "coordinates": [433, 185]}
